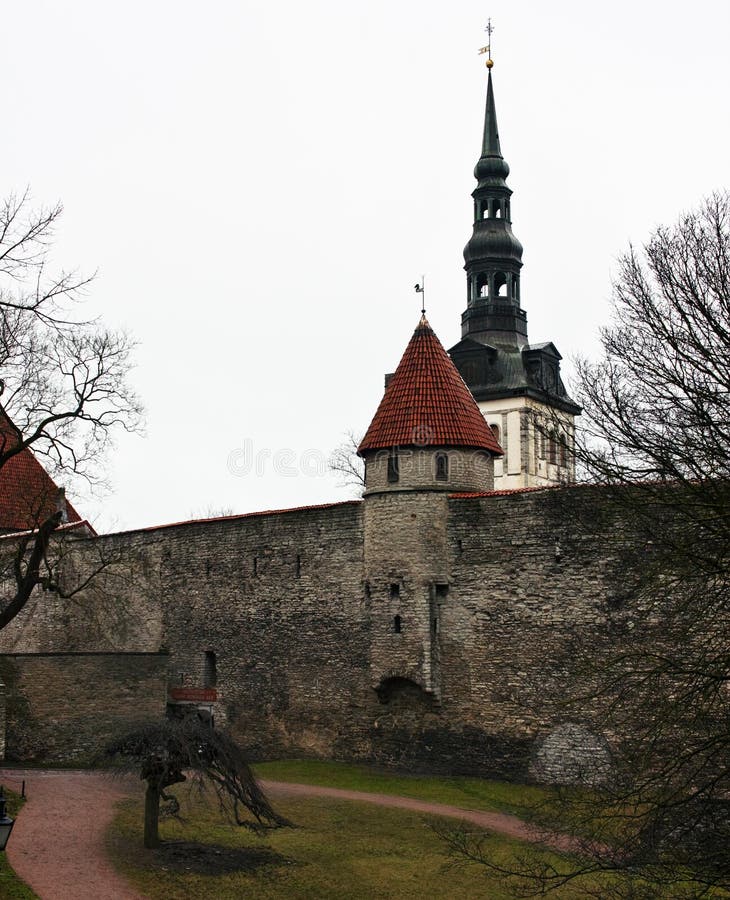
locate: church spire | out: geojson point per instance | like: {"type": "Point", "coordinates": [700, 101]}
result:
{"type": "Point", "coordinates": [516, 384]}
{"type": "Point", "coordinates": [493, 256]}
{"type": "Point", "coordinates": [491, 161]}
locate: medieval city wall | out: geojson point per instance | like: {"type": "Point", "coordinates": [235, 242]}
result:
{"type": "Point", "coordinates": [518, 591]}
{"type": "Point", "coordinates": [69, 706]}
{"type": "Point", "coordinates": [279, 600]}
{"type": "Point", "coordinates": [112, 596]}
{"type": "Point", "coordinates": [289, 616]}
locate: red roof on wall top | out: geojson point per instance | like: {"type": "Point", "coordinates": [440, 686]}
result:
{"type": "Point", "coordinates": [28, 494]}
{"type": "Point", "coordinates": [427, 403]}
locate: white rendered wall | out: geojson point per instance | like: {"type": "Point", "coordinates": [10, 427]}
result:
{"type": "Point", "coordinates": [528, 461]}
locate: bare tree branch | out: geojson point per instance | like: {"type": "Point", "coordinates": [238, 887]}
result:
{"type": "Point", "coordinates": [168, 752]}
{"type": "Point", "coordinates": [654, 673]}
{"type": "Point", "coordinates": [64, 383]}
{"type": "Point", "coordinates": [345, 461]}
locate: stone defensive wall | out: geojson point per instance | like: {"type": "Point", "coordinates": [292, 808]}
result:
{"type": "Point", "coordinates": [65, 707]}
{"type": "Point", "coordinates": [301, 633]}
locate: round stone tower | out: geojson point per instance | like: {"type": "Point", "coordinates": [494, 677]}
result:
{"type": "Point", "coordinates": [427, 440]}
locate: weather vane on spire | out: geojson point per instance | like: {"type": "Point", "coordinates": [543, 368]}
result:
{"type": "Point", "coordinates": [488, 49]}
{"type": "Point", "coordinates": [421, 289]}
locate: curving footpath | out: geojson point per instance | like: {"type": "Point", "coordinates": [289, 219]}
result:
{"type": "Point", "coordinates": [57, 845]}
{"type": "Point", "coordinates": [500, 823]}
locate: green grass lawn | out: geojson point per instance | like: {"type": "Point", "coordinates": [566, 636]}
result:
{"type": "Point", "coordinates": [470, 793]}
{"type": "Point", "coordinates": [11, 887]}
{"type": "Point", "coordinates": [338, 849]}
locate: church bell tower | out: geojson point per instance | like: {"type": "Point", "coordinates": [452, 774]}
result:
{"type": "Point", "coordinates": [516, 384]}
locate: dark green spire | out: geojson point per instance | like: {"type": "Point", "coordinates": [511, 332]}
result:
{"type": "Point", "coordinates": [493, 356]}
{"type": "Point", "coordinates": [491, 168]}
{"type": "Point", "coordinates": [493, 256]}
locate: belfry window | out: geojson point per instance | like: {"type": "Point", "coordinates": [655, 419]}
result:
{"type": "Point", "coordinates": [442, 467]}
{"type": "Point", "coordinates": [497, 435]}
{"type": "Point", "coordinates": [482, 285]}
{"type": "Point", "coordinates": [500, 284]}
{"type": "Point", "coordinates": [393, 473]}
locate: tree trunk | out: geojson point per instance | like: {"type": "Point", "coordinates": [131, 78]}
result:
{"type": "Point", "coordinates": [152, 817]}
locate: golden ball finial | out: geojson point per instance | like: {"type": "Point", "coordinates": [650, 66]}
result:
{"type": "Point", "coordinates": [489, 63]}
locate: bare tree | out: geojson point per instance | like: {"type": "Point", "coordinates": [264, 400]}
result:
{"type": "Point", "coordinates": [171, 751]}
{"type": "Point", "coordinates": [349, 466]}
{"type": "Point", "coordinates": [655, 440]}
{"type": "Point", "coordinates": [63, 382]}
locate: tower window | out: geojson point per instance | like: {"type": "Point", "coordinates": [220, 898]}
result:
{"type": "Point", "coordinates": [393, 473]}
{"type": "Point", "coordinates": [497, 434]}
{"type": "Point", "coordinates": [442, 467]}
{"type": "Point", "coordinates": [553, 448]}
{"type": "Point", "coordinates": [394, 590]}
{"type": "Point", "coordinates": [500, 284]}
{"type": "Point", "coordinates": [562, 440]}
{"type": "Point", "coordinates": [482, 286]}
{"type": "Point", "coordinates": [396, 624]}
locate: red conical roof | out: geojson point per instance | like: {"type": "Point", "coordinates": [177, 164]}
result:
{"type": "Point", "coordinates": [28, 494]}
{"type": "Point", "coordinates": [427, 403]}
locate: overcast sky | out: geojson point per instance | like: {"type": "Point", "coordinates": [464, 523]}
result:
{"type": "Point", "coordinates": [260, 185]}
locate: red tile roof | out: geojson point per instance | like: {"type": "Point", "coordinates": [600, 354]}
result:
{"type": "Point", "coordinates": [427, 403]}
{"type": "Point", "coordinates": [28, 494]}
{"type": "Point", "coordinates": [504, 492]}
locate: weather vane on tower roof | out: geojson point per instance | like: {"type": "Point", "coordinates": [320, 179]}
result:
{"type": "Point", "coordinates": [488, 49]}
{"type": "Point", "coordinates": [421, 289]}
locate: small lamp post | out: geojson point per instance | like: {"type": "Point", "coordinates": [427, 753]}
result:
{"type": "Point", "coordinates": [6, 823]}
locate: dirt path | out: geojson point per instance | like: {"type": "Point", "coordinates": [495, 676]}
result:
{"type": "Point", "coordinates": [500, 823]}
{"type": "Point", "coordinates": [68, 862]}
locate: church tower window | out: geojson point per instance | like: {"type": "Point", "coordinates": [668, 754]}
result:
{"type": "Point", "coordinates": [553, 448]}
{"type": "Point", "coordinates": [442, 467]}
{"type": "Point", "coordinates": [500, 284]}
{"type": "Point", "coordinates": [482, 284]}
{"type": "Point", "coordinates": [563, 450]}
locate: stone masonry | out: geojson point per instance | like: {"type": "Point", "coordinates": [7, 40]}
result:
{"type": "Point", "coordinates": [297, 610]}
